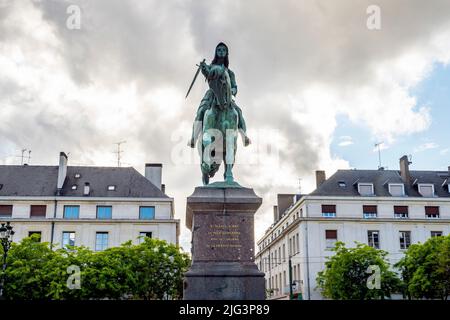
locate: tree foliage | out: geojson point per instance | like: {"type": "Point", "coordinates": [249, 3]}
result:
{"type": "Point", "coordinates": [153, 269]}
{"type": "Point", "coordinates": [425, 269]}
{"type": "Point", "coordinates": [345, 275]}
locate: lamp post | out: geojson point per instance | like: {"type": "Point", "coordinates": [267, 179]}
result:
{"type": "Point", "coordinates": [6, 234]}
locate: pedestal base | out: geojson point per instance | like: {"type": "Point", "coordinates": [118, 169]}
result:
{"type": "Point", "coordinates": [222, 224]}
{"type": "Point", "coordinates": [224, 281]}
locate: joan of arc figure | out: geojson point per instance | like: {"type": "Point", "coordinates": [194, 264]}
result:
{"type": "Point", "coordinates": [220, 59]}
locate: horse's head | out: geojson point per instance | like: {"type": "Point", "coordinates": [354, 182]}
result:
{"type": "Point", "coordinates": [219, 83]}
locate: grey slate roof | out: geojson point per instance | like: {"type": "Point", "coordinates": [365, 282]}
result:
{"type": "Point", "coordinates": [381, 180]}
{"type": "Point", "coordinates": [42, 181]}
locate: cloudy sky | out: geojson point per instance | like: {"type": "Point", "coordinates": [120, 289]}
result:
{"type": "Point", "coordinates": [317, 86]}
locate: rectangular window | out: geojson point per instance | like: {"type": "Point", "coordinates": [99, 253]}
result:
{"type": "Point", "coordinates": [143, 235]}
{"type": "Point", "coordinates": [397, 189]}
{"type": "Point", "coordinates": [38, 211]}
{"type": "Point", "coordinates": [38, 233]}
{"type": "Point", "coordinates": [101, 241]}
{"type": "Point", "coordinates": [373, 238]}
{"type": "Point", "coordinates": [71, 212]}
{"type": "Point", "coordinates": [436, 233]}
{"type": "Point", "coordinates": [6, 210]}
{"type": "Point", "coordinates": [370, 211]}
{"type": "Point", "coordinates": [401, 212]}
{"type": "Point", "coordinates": [328, 210]}
{"type": "Point", "coordinates": [405, 239]}
{"type": "Point", "coordinates": [104, 212]}
{"type": "Point", "coordinates": [426, 190]}
{"type": "Point", "coordinates": [330, 238]}
{"type": "Point", "coordinates": [432, 212]}
{"type": "Point", "coordinates": [68, 239]}
{"type": "Point", "coordinates": [146, 213]}
{"type": "Point", "coordinates": [365, 189]}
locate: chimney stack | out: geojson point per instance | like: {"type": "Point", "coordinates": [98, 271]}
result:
{"type": "Point", "coordinates": [448, 170]}
{"type": "Point", "coordinates": [62, 172]}
{"type": "Point", "coordinates": [404, 169]}
{"type": "Point", "coordinates": [87, 189]}
{"type": "Point", "coordinates": [163, 188]}
{"type": "Point", "coordinates": [320, 177]}
{"type": "Point", "coordinates": [275, 213]}
{"type": "Point", "coordinates": [153, 172]}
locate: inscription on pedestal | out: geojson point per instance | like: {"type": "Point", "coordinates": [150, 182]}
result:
{"type": "Point", "coordinates": [222, 237]}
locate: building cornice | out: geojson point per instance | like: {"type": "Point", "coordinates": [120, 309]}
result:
{"type": "Point", "coordinates": [107, 221]}
{"type": "Point", "coordinates": [84, 199]}
{"type": "Point", "coordinates": [375, 198]}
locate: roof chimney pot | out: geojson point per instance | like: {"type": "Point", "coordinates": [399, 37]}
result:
{"type": "Point", "coordinates": [320, 177]}
{"type": "Point", "coordinates": [153, 172]}
{"type": "Point", "coordinates": [404, 169]}
{"type": "Point", "coordinates": [62, 172]}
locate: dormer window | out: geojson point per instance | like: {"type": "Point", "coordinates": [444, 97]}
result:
{"type": "Point", "coordinates": [74, 187]}
{"type": "Point", "coordinates": [365, 189]}
{"type": "Point", "coordinates": [111, 188]}
{"type": "Point", "coordinates": [397, 189]}
{"type": "Point", "coordinates": [426, 189]}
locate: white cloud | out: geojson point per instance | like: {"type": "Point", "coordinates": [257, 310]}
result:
{"type": "Point", "coordinates": [345, 141]}
{"type": "Point", "coordinates": [426, 146]}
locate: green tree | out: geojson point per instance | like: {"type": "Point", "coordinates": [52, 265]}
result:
{"type": "Point", "coordinates": [425, 269]}
{"type": "Point", "coordinates": [346, 275]}
{"type": "Point", "coordinates": [153, 269]}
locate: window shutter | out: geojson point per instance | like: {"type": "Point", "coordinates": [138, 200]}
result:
{"type": "Point", "coordinates": [6, 210]}
{"type": "Point", "coordinates": [331, 234]}
{"type": "Point", "coordinates": [328, 208]}
{"type": "Point", "coordinates": [38, 210]}
{"type": "Point", "coordinates": [432, 210]}
{"type": "Point", "coordinates": [370, 209]}
{"type": "Point", "coordinates": [401, 209]}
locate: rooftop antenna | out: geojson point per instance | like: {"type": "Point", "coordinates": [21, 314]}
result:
{"type": "Point", "coordinates": [299, 185]}
{"type": "Point", "coordinates": [23, 151]}
{"type": "Point", "coordinates": [119, 152]}
{"type": "Point", "coordinates": [377, 145]}
{"type": "Point", "coordinates": [29, 156]}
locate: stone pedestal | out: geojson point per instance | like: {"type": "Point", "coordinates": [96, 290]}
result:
{"type": "Point", "coordinates": [222, 225]}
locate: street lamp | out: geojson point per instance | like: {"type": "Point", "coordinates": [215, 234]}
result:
{"type": "Point", "coordinates": [6, 235]}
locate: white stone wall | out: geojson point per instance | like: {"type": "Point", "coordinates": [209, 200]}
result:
{"type": "Point", "coordinates": [124, 225]}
